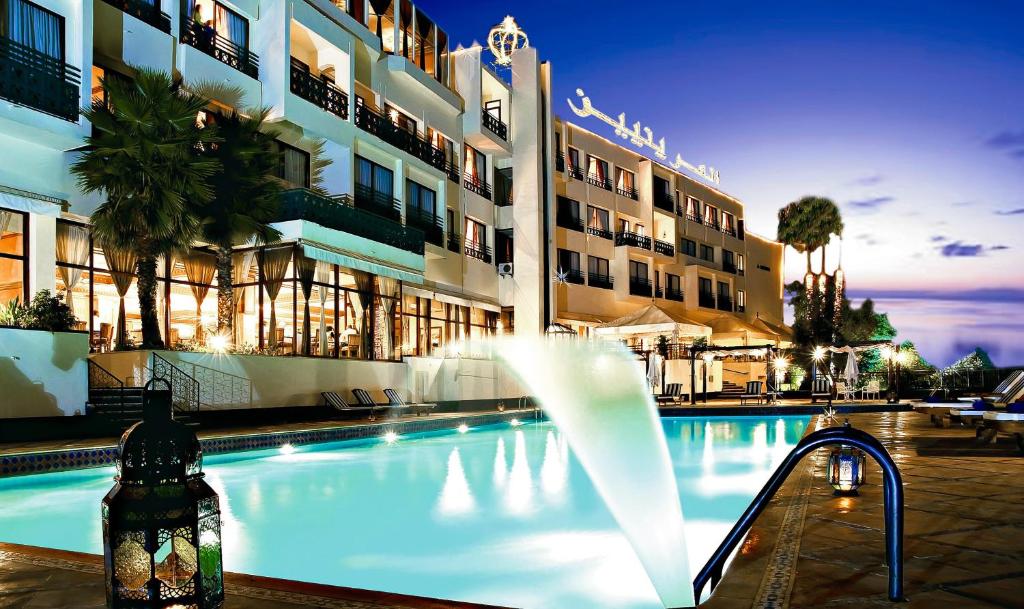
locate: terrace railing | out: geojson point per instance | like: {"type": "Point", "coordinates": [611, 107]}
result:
{"type": "Point", "coordinates": [480, 187]}
{"type": "Point", "coordinates": [603, 233]}
{"type": "Point", "coordinates": [674, 294]}
{"type": "Point", "coordinates": [374, 122]}
{"type": "Point", "coordinates": [478, 251]}
{"type": "Point", "coordinates": [184, 388]}
{"type": "Point", "coordinates": [39, 81]}
{"type": "Point", "coordinates": [575, 172]}
{"type": "Point", "coordinates": [568, 220]}
{"type": "Point", "coordinates": [144, 11]}
{"type": "Point", "coordinates": [632, 239]}
{"type": "Point", "coordinates": [454, 242]}
{"type": "Point", "coordinates": [574, 276]}
{"type": "Point", "coordinates": [597, 280]}
{"type": "Point", "coordinates": [494, 125]}
{"type": "Point", "coordinates": [664, 248]}
{"type": "Point", "coordinates": [729, 267]}
{"type": "Point", "coordinates": [639, 287]}
{"type": "Point", "coordinates": [218, 389]}
{"type": "Point", "coordinates": [665, 201]}
{"type": "Point", "coordinates": [377, 202]}
{"type": "Point", "coordinates": [627, 191]}
{"type": "Point", "coordinates": [724, 303]}
{"type": "Point", "coordinates": [560, 161]}
{"type": "Point", "coordinates": [431, 225]}
{"type": "Point", "coordinates": [706, 300]}
{"type": "Point", "coordinates": [208, 41]}
{"type": "Point", "coordinates": [598, 181]}
{"type": "Point", "coordinates": [318, 92]}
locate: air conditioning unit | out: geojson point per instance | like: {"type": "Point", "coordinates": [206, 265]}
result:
{"type": "Point", "coordinates": [505, 269]}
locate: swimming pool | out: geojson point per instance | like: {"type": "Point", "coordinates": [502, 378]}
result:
{"type": "Point", "coordinates": [500, 514]}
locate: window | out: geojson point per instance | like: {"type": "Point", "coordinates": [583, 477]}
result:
{"type": "Point", "coordinates": [674, 287]}
{"type": "Point", "coordinates": [741, 265]}
{"type": "Point", "coordinates": [625, 183]}
{"type": "Point", "coordinates": [597, 171]}
{"type": "Point", "coordinates": [705, 285]}
{"type": "Point", "coordinates": [728, 223]}
{"type": "Point", "coordinates": [711, 216]}
{"type": "Point", "coordinates": [13, 257]}
{"type": "Point", "coordinates": [728, 261]}
{"type": "Point", "coordinates": [33, 26]}
{"type": "Point", "coordinates": [598, 222]}
{"type": "Point", "coordinates": [400, 119]}
{"type": "Point", "coordinates": [662, 192]}
{"type": "Point", "coordinates": [689, 247]}
{"type": "Point", "coordinates": [421, 200]}
{"type": "Point", "coordinates": [382, 22]}
{"type": "Point", "coordinates": [476, 165]}
{"type": "Point", "coordinates": [98, 94]}
{"type": "Point", "coordinates": [637, 271]}
{"type": "Point", "coordinates": [568, 214]}
{"type": "Point", "coordinates": [440, 141]}
{"type": "Point", "coordinates": [569, 266]}
{"type": "Point", "coordinates": [374, 179]}
{"type": "Point", "coordinates": [707, 253]}
{"type": "Point", "coordinates": [575, 167]}
{"type": "Point", "coordinates": [476, 234]}
{"type": "Point", "coordinates": [741, 301]}
{"type": "Point", "coordinates": [424, 52]}
{"type": "Point", "coordinates": [693, 209]}
{"type": "Point", "coordinates": [597, 267]}
{"type": "Point", "coordinates": [293, 165]}
{"type": "Point", "coordinates": [450, 221]}
{"type": "Point", "coordinates": [227, 24]}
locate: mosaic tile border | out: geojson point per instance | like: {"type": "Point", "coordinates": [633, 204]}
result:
{"type": "Point", "coordinates": [20, 464]}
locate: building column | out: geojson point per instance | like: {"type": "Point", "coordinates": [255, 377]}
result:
{"type": "Point", "coordinates": [42, 253]}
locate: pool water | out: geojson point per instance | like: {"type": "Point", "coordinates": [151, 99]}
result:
{"type": "Point", "coordinates": [501, 515]}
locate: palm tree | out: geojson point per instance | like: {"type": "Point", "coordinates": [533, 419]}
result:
{"type": "Point", "coordinates": [246, 197]}
{"type": "Point", "coordinates": [808, 225]}
{"type": "Point", "coordinates": [144, 156]}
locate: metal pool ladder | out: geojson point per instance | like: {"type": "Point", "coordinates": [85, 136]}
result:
{"type": "Point", "coordinates": [893, 489]}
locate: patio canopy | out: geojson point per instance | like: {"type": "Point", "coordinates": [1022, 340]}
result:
{"type": "Point", "coordinates": [780, 331]}
{"type": "Point", "coordinates": [652, 319]}
{"type": "Point", "coordinates": [729, 328]}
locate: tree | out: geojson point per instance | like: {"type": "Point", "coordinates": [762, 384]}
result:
{"type": "Point", "coordinates": [144, 155]}
{"type": "Point", "coordinates": [808, 225]}
{"type": "Point", "coordinates": [246, 198]}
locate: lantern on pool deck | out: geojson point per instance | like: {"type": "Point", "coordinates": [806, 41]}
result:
{"type": "Point", "coordinates": [161, 521]}
{"type": "Point", "coordinates": [845, 470]}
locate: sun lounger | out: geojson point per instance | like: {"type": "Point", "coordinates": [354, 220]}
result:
{"type": "Point", "coordinates": [1004, 391]}
{"type": "Point", "coordinates": [338, 403]}
{"type": "Point", "coordinates": [671, 395]}
{"type": "Point", "coordinates": [364, 399]}
{"type": "Point", "coordinates": [753, 392]}
{"type": "Point", "coordinates": [820, 389]}
{"type": "Point", "coordinates": [396, 401]}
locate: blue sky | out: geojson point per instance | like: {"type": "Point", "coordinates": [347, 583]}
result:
{"type": "Point", "coordinates": [907, 114]}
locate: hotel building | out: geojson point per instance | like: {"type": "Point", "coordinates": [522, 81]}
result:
{"type": "Point", "coordinates": [452, 203]}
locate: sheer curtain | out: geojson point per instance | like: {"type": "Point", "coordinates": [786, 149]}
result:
{"type": "Point", "coordinates": [122, 269]}
{"type": "Point", "coordinates": [305, 268]}
{"type": "Point", "coordinates": [232, 26]}
{"type": "Point", "coordinates": [241, 264]}
{"type": "Point", "coordinates": [199, 269]}
{"type": "Point", "coordinates": [274, 267]}
{"type": "Point", "coordinates": [364, 283]}
{"type": "Point", "coordinates": [72, 248]}
{"type": "Point", "coordinates": [389, 292]}
{"type": "Point", "coordinates": [324, 274]}
{"type": "Point", "coordinates": [34, 27]}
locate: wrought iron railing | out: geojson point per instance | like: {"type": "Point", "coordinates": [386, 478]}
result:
{"type": "Point", "coordinates": [375, 123]}
{"type": "Point", "coordinates": [713, 224]}
{"type": "Point", "coordinates": [144, 11]}
{"type": "Point", "coordinates": [892, 487]}
{"type": "Point", "coordinates": [567, 220]}
{"type": "Point", "coordinates": [597, 180]}
{"type": "Point", "coordinates": [694, 218]}
{"type": "Point", "coordinates": [632, 239]}
{"type": "Point", "coordinates": [478, 251]}
{"type": "Point", "coordinates": [729, 230]}
{"type": "Point", "coordinates": [480, 187]}
{"type": "Point", "coordinates": [101, 378]}
{"type": "Point", "coordinates": [184, 388]}
{"type": "Point", "coordinates": [597, 280]}
{"type": "Point", "coordinates": [451, 169]}
{"type": "Point", "coordinates": [219, 389]}
{"type": "Point", "coordinates": [729, 267]}
{"type": "Point", "coordinates": [665, 201]}
{"type": "Point", "coordinates": [706, 300]}
{"type": "Point", "coordinates": [454, 242]}
{"type": "Point", "coordinates": [664, 248]}
{"type": "Point", "coordinates": [627, 191]}
{"type": "Point", "coordinates": [39, 81]}
{"type": "Point", "coordinates": [603, 233]}
{"type": "Point", "coordinates": [573, 276]}
{"type": "Point", "coordinates": [639, 287]}
{"type": "Point", "coordinates": [674, 294]}
{"type": "Point", "coordinates": [377, 202]}
{"type": "Point", "coordinates": [494, 125]}
{"type": "Point", "coordinates": [559, 161]}
{"type": "Point", "coordinates": [207, 40]}
{"type": "Point", "coordinates": [431, 225]}
{"type": "Point", "coordinates": [576, 172]}
{"type": "Point", "coordinates": [318, 91]}
{"type": "Point", "coordinates": [724, 302]}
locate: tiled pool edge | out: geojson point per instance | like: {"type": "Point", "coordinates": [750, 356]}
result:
{"type": "Point", "coordinates": [39, 462]}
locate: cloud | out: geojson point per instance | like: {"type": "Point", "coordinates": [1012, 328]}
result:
{"type": "Point", "coordinates": [870, 180]}
{"type": "Point", "coordinates": [964, 204]}
{"type": "Point", "coordinates": [867, 238]}
{"type": "Point", "coordinates": [871, 204]}
{"type": "Point", "coordinates": [939, 238]}
{"type": "Point", "coordinates": [958, 249]}
{"type": "Point", "coordinates": [1011, 212]}
{"type": "Point", "coordinates": [1010, 142]}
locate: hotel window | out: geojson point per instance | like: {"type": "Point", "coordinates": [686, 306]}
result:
{"type": "Point", "coordinates": [422, 201]}
{"type": "Point", "coordinates": [728, 223]}
{"type": "Point", "coordinates": [405, 41]}
{"type": "Point", "coordinates": [597, 268]}
{"type": "Point", "coordinates": [711, 216]}
{"type": "Point", "coordinates": [598, 222]}
{"type": "Point", "coordinates": [674, 287]}
{"type": "Point", "coordinates": [597, 172]}
{"type": "Point", "coordinates": [707, 253]}
{"type": "Point", "coordinates": [625, 183]}
{"type": "Point", "coordinates": [442, 57]}
{"type": "Point", "coordinates": [440, 141]}
{"type": "Point", "coordinates": [689, 247]}
{"type": "Point", "coordinates": [98, 94]}
{"type": "Point", "coordinates": [569, 266]}
{"type": "Point", "coordinates": [693, 210]}
{"type": "Point", "coordinates": [741, 264]}
{"type": "Point", "coordinates": [293, 165]}
{"type": "Point", "coordinates": [33, 26]}
{"type": "Point", "coordinates": [728, 261]}
{"type": "Point", "coordinates": [13, 256]}
{"type": "Point", "coordinates": [476, 236]}
{"type": "Point", "coordinates": [704, 285]}
{"type": "Point", "coordinates": [639, 284]}
{"type": "Point", "coordinates": [382, 23]}
{"type": "Point", "coordinates": [741, 301]}
{"type": "Point", "coordinates": [662, 191]}
{"type": "Point", "coordinates": [226, 23]}
{"type": "Point", "coordinates": [374, 180]}
{"type": "Point", "coordinates": [723, 294]}
{"type": "Point", "coordinates": [400, 119]}
{"type": "Point", "coordinates": [476, 166]}
{"type": "Point", "coordinates": [575, 167]}
{"type": "Point", "coordinates": [568, 214]}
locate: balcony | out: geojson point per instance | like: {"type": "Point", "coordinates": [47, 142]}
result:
{"type": "Point", "coordinates": [220, 48]}
{"type": "Point", "coordinates": [724, 302]}
{"type": "Point", "coordinates": [39, 81]}
{"type": "Point", "coordinates": [479, 251]}
{"type": "Point", "coordinates": [431, 225]}
{"type": "Point", "coordinates": [665, 201]}
{"type": "Point", "coordinates": [595, 180]}
{"type": "Point", "coordinates": [569, 221]}
{"type": "Point", "coordinates": [728, 230]}
{"type": "Point", "coordinates": [375, 123]}
{"type": "Point", "coordinates": [495, 126]}
{"type": "Point", "coordinates": [340, 213]}
{"type": "Point", "coordinates": [454, 242]}
{"type": "Point", "coordinates": [144, 11]}
{"type": "Point", "coordinates": [573, 276]}
{"type": "Point", "coordinates": [560, 161]}
{"type": "Point", "coordinates": [694, 218]}
{"type": "Point", "coordinates": [674, 294]}
{"type": "Point", "coordinates": [453, 172]}
{"type": "Point", "coordinates": [378, 203]}
{"type": "Point", "coordinates": [575, 172]}
{"type": "Point", "coordinates": [658, 292]}
{"type": "Point", "coordinates": [627, 191]}
{"type": "Point", "coordinates": [605, 282]}
{"type": "Point", "coordinates": [664, 248]}
{"type": "Point", "coordinates": [639, 286]}
{"type": "Point", "coordinates": [706, 300]}
{"type": "Point", "coordinates": [729, 267]}
{"type": "Point", "coordinates": [599, 232]}
{"type": "Point", "coordinates": [319, 92]}
{"type": "Point", "coordinates": [712, 224]}
{"type": "Point", "coordinates": [502, 188]}
{"type": "Point", "coordinates": [632, 239]}
{"type": "Point", "coordinates": [475, 184]}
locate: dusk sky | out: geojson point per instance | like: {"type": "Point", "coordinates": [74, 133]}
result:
{"type": "Point", "coordinates": [910, 115]}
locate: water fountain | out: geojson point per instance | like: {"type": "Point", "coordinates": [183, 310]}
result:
{"type": "Point", "coordinates": [598, 398]}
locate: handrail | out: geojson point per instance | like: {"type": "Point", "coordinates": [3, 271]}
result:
{"type": "Point", "coordinates": [218, 388]}
{"type": "Point", "coordinates": [184, 388]}
{"type": "Point", "coordinates": [893, 506]}
{"type": "Point", "coordinates": [101, 378]}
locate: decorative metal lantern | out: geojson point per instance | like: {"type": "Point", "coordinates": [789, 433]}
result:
{"type": "Point", "coordinates": [845, 470]}
{"type": "Point", "coordinates": [161, 520]}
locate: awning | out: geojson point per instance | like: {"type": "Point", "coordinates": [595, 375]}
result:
{"type": "Point", "coordinates": [450, 298]}
{"type": "Point", "coordinates": [652, 319]}
{"type": "Point", "coordinates": [728, 327]}
{"type": "Point", "coordinates": [409, 290]}
{"type": "Point", "coordinates": [783, 331]}
{"type": "Point", "coordinates": [353, 261]}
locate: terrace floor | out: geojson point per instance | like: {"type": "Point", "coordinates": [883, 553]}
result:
{"type": "Point", "coordinates": [963, 547]}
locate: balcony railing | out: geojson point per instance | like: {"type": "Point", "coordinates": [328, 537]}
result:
{"type": "Point", "coordinates": [373, 122]}
{"type": "Point", "coordinates": [340, 213]}
{"type": "Point", "coordinates": [494, 125]}
{"type": "Point", "coordinates": [207, 40]}
{"type": "Point", "coordinates": [664, 248]}
{"type": "Point", "coordinates": [665, 201]}
{"type": "Point", "coordinates": [575, 172]}
{"type": "Point", "coordinates": [454, 242]}
{"type": "Point", "coordinates": [597, 280]}
{"type": "Point", "coordinates": [729, 267]}
{"type": "Point", "coordinates": [632, 239]}
{"type": "Point", "coordinates": [319, 92]}
{"type": "Point", "coordinates": [674, 294]}
{"type": "Point", "coordinates": [453, 171]}
{"type": "Point", "coordinates": [627, 191]}
{"type": "Point", "coordinates": [573, 276]}
{"type": "Point", "coordinates": [144, 11]}
{"type": "Point", "coordinates": [379, 203]}
{"type": "Point", "coordinates": [706, 300]}
{"type": "Point", "coordinates": [37, 80]}
{"type": "Point", "coordinates": [431, 225]}
{"type": "Point", "coordinates": [502, 189]}
{"type": "Point", "coordinates": [475, 184]}
{"type": "Point", "coordinates": [479, 251]}
{"type": "Point", "coordinates": [729, 230]}
{"type": "Point", "coordinates": [569, 221]}
{"type": "Point", "coordinates": [694, 218]}
{"type": "Point", "coordinates": [712, 224]}
{"type": "Point", "coordinates": [639, 287]}
{"type": "Point", "coordinates": [658, 292]}
{"type": "Point", "coordinates": [724, 303]}
{"type": "Point", "coordinates": [560, 161]}
{"type": "Point", "coordinates": [599, 232]}
{"type": "Point", "coordinates": [597, 180]}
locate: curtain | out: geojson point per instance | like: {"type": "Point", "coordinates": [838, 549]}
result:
{"type": "Point", "coordinates": [122, 268]}
{"type": "Point", "coordinates": [72, 248]}
{"type": "Point", "coordinates": [275, 265]}
{"type": "Point", "coordinates": [470, 167]}
{"type": "Point", "coordinates": [232, 26]}
{"type": "Point", "coordinates": [241, 264]}
{"type": "Point", "coordinates": [364, 283]}
{"type": "Point", "coordinates": [324, 274]}
{"type": "Point", "coordinates": [35, 28]}
{"type": "Point", "coordinates": [364, 172]}
{"type": "Point", "coordinates": [296, 167]}
{"type": "Point", "coordinates": [383, 181]}
{"type": "Point", "coordinates": [199, 270]}
{"type": "Point", "coordinates": [388, 288]}
{"type": "Point", "coordinates": [405, 13]}
{"type": "Point", "coordinates": [305, 268]}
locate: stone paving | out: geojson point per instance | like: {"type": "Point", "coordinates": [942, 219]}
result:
{"type": "Point", "coordinates": [964, 542]}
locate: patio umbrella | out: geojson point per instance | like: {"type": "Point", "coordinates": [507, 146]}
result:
{"type": "Point", "coordinates": [852, 371]}
{"type": "Point", "coordinates": [654, 371]}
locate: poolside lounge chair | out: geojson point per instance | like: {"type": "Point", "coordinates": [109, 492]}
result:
{"type": "Point", "coordinates": [364, 399]}
{"type": "Point", "coordinates": [821, 388]}
{"type": "Point", "coordinates": [873, 388]}
{"type": "Point", "coordinates": [1001, 389]}
{"type": "Point", "coordinates": [338, 403]}
{"type": "Point", "coordinates": [671, 395]}
{"type": "Point", "coordinates": [753, 392]}
{"type": "Point", "coordinates": [975, 413]}
{"type": "Point", "coordinates": [1006, 423]}
{"type": "Point", "coordinates": [396, 401]}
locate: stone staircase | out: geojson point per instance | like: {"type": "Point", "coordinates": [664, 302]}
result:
{"type": "Point", "coordinates": [121, 404]}
{"type": "Point", "coordinates": [731, 390]}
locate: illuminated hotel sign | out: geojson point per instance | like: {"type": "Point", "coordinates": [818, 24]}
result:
{"type": "Point", "coordinates": [645, 140]}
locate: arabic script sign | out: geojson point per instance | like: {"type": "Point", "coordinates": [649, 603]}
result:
{"type": "Point", "coordinates": [641, 137]}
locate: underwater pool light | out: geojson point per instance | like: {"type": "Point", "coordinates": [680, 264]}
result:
{"type": "Point", "coordinates": [462, 428]}
{"type": "Point", "coordinates": [390, 437]}
{"type": "Point", "coordinates": [287, 448]}
{"type": "Point", "coordinates": [515, 422]}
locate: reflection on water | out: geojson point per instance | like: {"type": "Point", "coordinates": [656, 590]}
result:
{"type": "Point", "coordinates": [447, 516]}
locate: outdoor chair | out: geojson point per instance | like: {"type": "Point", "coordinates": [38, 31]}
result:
{"type": "Point", "coordinates": [671, 395]}
{"type": "Point", "coordinates": [820, 388]}
{"type": "Point", "coordinates": [396, 401]}
{"type": "Point", "coordinates": [364, 399]}
{"type": "Point", "coordinates": [338, 403]}
{"type": "Point", "coordinates": [873, 388]}
{"type": "Point", "coordinates": [845, 391]}
{"type": "Point", "coordinates": [753, 392]}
